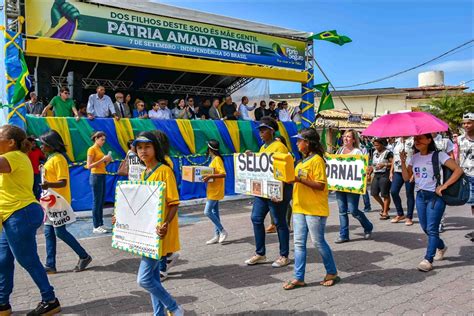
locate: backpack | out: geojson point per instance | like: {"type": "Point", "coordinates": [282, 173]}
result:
{"type": "Point", "coordinates": [458, 192]}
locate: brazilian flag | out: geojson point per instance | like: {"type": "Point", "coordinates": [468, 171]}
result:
{"type": "Point", "coordinates": [332, 37]}
{"type": "Point", "coordinates": [326, 102]}
{"type": "Point", "coordinates": [23, 83]}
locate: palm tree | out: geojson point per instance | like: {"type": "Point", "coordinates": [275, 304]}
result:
{"type": "Point", "coordinates": [451, 108]}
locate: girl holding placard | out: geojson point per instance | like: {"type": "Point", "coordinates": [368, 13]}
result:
{"type": "Point", "coordinates": [157, 169]}
{"type": "Point", "coordinates": [311, 208]}
{"type": "Point", "coordinates": [261, 206]}
{"type": "Point", "coordinates": [56, 177]}
{"type": "Point", "coordinates": [215, 191]}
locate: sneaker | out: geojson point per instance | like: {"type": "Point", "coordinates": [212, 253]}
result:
{"type": "Point", "coordinates": [257, 259]}
{"type": "Point", "coordinates": [99, 230]}
{"type": "Point", "coordinates": [409, 222]}
{"type": "Point", "coordinates": [163, 275]}
{"type": "Point", "coordinates": [223, 236]}
{"type": "Point", "coordinates": [469, 236]}
{"type": "Point", "coordinates": [50, 270]}
{"type": "Point", "coordinates": [213, 240]}
{"type": "Point", "coordinates": [425, 266]}
{"type": "Point", "coordinates": [398, 219]}
{"type": "Point", "coordinates": [271, 229]}
{"type": "Point", "coordinates": [5, 309]}
{"type": "Point", "coordinates": [107, 228]}
{"type": "Point", "coordinates": [281, 262]}
{"type": "Point", "coordinates": [171, 260]}
{"type": "Point", "coordinates": [178, 312]}
{"type": "Point", "coordinates": [46, 308]}
{"type": "Point", "coordinates": [82, 264]}
{"type": "Point", "coordinates": [367, 210]}
{"type": "Point", "coordinates": [440, 253]}
{"type": "Point", "coordinates": [367, 236]}
{"type": "Point", "coordinates": [340, 240]}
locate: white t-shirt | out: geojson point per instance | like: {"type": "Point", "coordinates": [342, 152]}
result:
{"type": "Point", "coordinates": [443, 144]}
{"type": "Point", "coordinates": [423, 170]}
{"type": "Point", "coordinates": [382, 157]}
{"type": "Point", "coordinates": [466, 155]}
{"type": "Point", "coordinates": [399, 147]}
{"type": "Point", "coordinates": [355, 151]}
{"type": "Point", "coordinates": [135, 167]}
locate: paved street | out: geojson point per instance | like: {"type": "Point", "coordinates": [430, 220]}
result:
{"type": "Point", "coordinates": [378, 276]}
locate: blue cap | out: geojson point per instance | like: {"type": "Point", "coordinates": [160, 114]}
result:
{"type": "Point", "coordinates": [263, 125]}
{"type": "Point", "coordinates": [141, 139]}
{"type": "Point", "coordinates": [298, 136]}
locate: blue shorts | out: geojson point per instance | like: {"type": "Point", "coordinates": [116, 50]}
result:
{"type": "Point", "coordinates": [471, 197]}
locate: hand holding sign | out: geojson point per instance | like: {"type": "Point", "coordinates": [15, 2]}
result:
{"type": "Point", "coordinates": [161, 230]}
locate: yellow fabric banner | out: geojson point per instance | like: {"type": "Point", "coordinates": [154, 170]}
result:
{"type": "Point", "coordinates": [124, 132]}
{"type": "Point", "coordinates": [59, 124]}
{"type": "Point", "coordinates": [284, 134]}
{"type": "Point", "coordinates": [234, 132]}
{"type": "Point", "coordinates": [187, 132]}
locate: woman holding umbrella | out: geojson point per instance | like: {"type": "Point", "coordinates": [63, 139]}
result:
{"type": "Point", "coordinates": [429, 204]}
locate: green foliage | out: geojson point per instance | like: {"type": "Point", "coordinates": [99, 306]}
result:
{"type": "Point", "coordinates": [450, 108]}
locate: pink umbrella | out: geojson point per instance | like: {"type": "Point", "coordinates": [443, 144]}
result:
{"type": "Point", "coordinates": [405, 124]}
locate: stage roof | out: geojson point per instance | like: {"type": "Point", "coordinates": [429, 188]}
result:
{"type": "Point", "coordinates": [152, 7]}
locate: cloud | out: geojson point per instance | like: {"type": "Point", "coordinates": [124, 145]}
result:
{"type": "Point", "coordinates": [451, 66]}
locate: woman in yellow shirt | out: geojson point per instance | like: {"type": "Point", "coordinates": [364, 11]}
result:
{"type": "Point", "coordinates": [21, 216]}
{"type": "Point", "coordinates": [311, 208]}
{"type": "Point", "coordinates": [157, 169]}
{"type": "Point", "coordinates": [96, 163]}
{"type": "Point", "coordinates": [261, 206]}
{"type": "Point", "coordinates": [56, 177]}
{"type": "Point", "coordinates": [215, 191]}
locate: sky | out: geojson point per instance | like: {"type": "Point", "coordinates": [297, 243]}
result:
{"type": "Point", "coordinates": [388, 36]}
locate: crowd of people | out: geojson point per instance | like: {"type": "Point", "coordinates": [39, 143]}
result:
{"type": "Point", "coordinates": [393, 163]}
{"type": "Point", "coordinates": [101, 105]}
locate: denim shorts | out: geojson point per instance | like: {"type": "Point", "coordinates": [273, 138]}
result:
{"type": "Point", "coordinates": [471, 197]}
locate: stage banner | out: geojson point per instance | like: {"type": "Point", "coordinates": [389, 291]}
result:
{"type": "Point", "coordinates": [90, 23]}
{"type": "Point", "coordinates": [254, 176]}
{"type": "Point", "coordinates": [347, 173]}
{"type": "Point", "coordinates": [139, 208]}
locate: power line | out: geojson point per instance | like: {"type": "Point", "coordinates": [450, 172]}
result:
{"type": "Point", "coordinates": [410, 69]}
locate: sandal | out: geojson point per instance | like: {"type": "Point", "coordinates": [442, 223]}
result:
{"type": "Point", "coordinates": [291, 285]}
{"type": "Point", "coordinates": [384, 217]}
{"type": "Point", "coordinates": [333, 281]}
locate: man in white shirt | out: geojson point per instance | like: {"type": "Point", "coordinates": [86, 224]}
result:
{"type": "Point", "coordinates": [244, 109]}
{"type": "Point", "coordinates": [444, 144]}
{"type": "Point", "coordinates": [100, 105]}
{"type": "Point", "coordinates": [163, 112]}
{"type": "Point", "coordinates": [466, 157]}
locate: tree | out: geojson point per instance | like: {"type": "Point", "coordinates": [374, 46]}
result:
{"type": "Point", "coordinates": [451, 108]}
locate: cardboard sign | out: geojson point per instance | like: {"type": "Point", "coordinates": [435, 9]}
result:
{"type": "Point", "coordinates": [195, 173]}
{"type": "Point", "coordinates": [347, 173]}
{"type": "Point", "coordinates": [254, 176]}
{"type": "Point", "coordinates": [139, 208]}
{"type": "Point", "coordinates": [58, 211]}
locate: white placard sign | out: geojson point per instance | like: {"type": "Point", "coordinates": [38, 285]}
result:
{"type": "Point", "coordinates": [58, 211]}
{"type": "Point", "coordinates": [347, 173]}
{"type": "Point", "coordinates": [254, 176]}
{"type": "Point", "coordinates": [139, 208]}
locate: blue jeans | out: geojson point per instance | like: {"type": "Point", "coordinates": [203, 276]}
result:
{"type": "Point", "coordinates": [97, 182]}
{"type": "Point", "coordinates": [50, 234]}
{"type": "Point", "coordinates": [315, 225]}
{"type": "Point", "coordinates": [278, 210]}
{"type": "Point", "coordinates": [430, 208]}
{"type": "Point", "coordinates": [397, 183]}
{"type": "Point", "coordinates": [18, 241]}
{"type": "Point", "coordinates": [349, 202]}
{"type": "Point", "coordinates": [212, 211]}
{"type": "Point", "coordinates": [149, 279]}
{"type": "Point", "coordinates": [36, 186]}
{"type": "Point", "coordinates": [366, 199]}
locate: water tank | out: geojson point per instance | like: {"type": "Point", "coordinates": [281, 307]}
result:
{"type": "Point", "coordinates": [431, 78]}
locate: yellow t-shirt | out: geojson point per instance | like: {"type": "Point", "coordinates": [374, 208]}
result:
{"type": "Point", "coordinates": [216, 189]}
{"type": "Point", "coordinates": [169, 161]}
{"type": "Point", "coordinates": [56, 169]}
{"type": "Point", "coordinates": [97, 155]}
{"type": "Point", "coordinates": [165, 174]}
{"type": "Point", "coordinates": [16, 187]}
{"type": "Point", "coordinates": [275, 147]}
{"type": "Point", "coordinates": [306, 200]}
